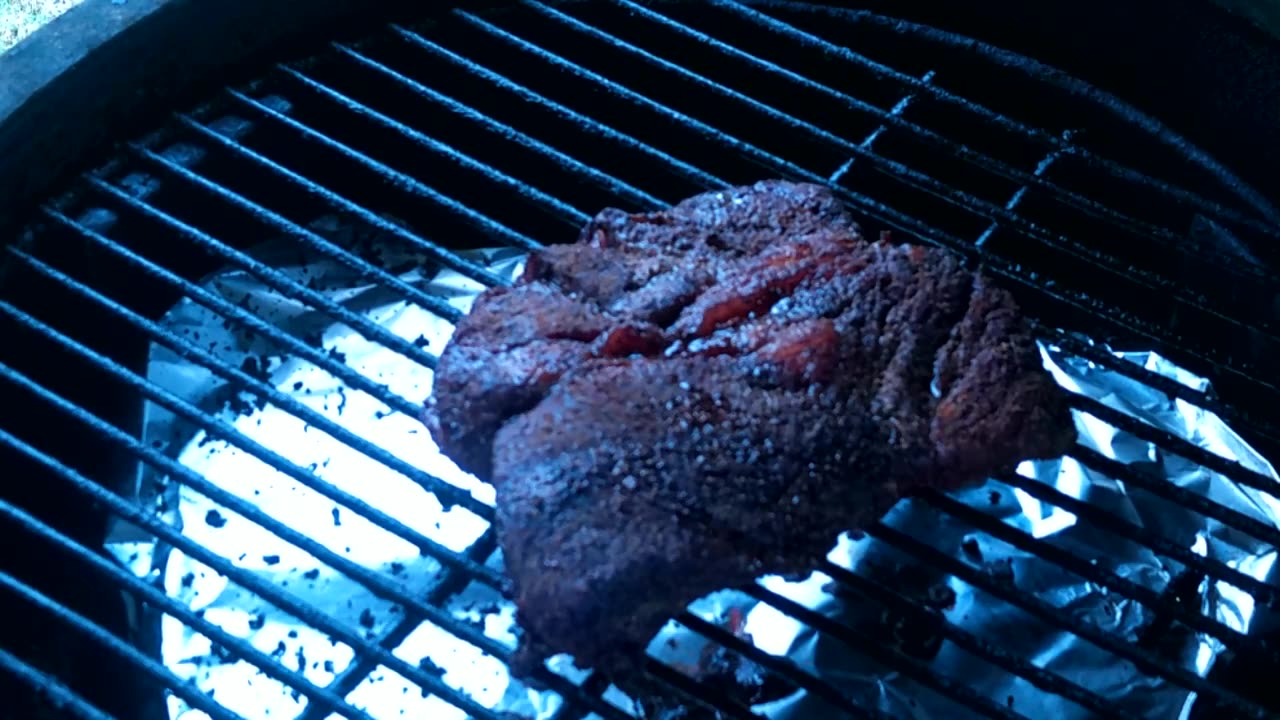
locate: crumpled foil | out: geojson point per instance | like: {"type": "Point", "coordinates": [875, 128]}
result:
{"type": "Point", "coordinates": [384, 694]}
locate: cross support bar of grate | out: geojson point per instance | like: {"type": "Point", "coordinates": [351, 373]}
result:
{"type": "Point", "coordinates": [893, 119]}
{"type": "Point", "coordinates": [1002, 216]}
{"type": "Point", "coordinates": [789, 31]}
{"type": "Point", "coordinates": [894, 218]}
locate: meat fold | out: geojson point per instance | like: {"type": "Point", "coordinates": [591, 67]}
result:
{"type": "Point", "coordinates": [685, 400]}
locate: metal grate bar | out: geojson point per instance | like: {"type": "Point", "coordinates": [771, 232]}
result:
{"type": "Point", "coordinates": [897, 170]}
{"type": "Point", "coordinates": [897, 660]}
{"type": "Point", "coordinates": [560, 209]}
{"type": "Point", "coordinates": [115, 645]}
{"type": "Point", "coordinates": [614, 185]}
{"type": "Point", "coordinates": [391, 176]}
{"type": "Point", "coordinates": [241, 317]}
{"type": "Point", "coordinates": [717, 136]}
{"type": "Point", "coordinates": [782, 667]}
{"type": "Point", "coordinates": [143, 519]}
{"type": "Point", "coordinates": [1144, 660]}
{"type": "Point", "coordinates": [370, 580]}
{"type": "Point", "coordinates": [1094, 460]}
{"type": "Point", "coordinates": [1042, 167]}
{"type": "Point", "coordinates": [345, 206]}
{"type": "Point", "coordinates": [1170, 387]}
{"type": "Point", "coordinates": [1262, 592]}
{"type": "Point", "coordinates": [1164, 384]}
{"type": "Point", "coordinates": [62, 698]}
{"type": "Point", "coordinates": [240, 649]}
{"type": "Point", "coordinates": [893, 118]}
{"type": "Point", "coordinates": [709, 698]}
{"type": "Point", "coordinates": [1129, 369]}
{"type": "Point", "coordinates": [1011, 125]}
{"type": "Point", "coordinates": [597, 128]}
{"type": "Point", "coordinates": [1095, 308]}
{"type": "Point", "coordinates": [288, 119]}
{"type": "Point", "coordinates": [303, 236]}
{"type": "Point", "coordinates": [316, 419]}
{"type": "Point", "coordinates": [447, 493]}
{"type": "Point", "coordinates": [1176, 445]}
{"type": "Point", "coordinates": [269, 275]}
{"type": "Point", "coordinates": [218, 429]}
{"type": "Point", "coordinates": [1147, 377]}
{"type": "Point", "coordinates": [1085, 569]}
{"type": "Point", "coordinates": [1040, 678]}
{"type": "Point", "coordinates": [870, 140]}
{"type": "Point", "coordinates": [894, 113]}
{"type": "Point", "coordinates": [361, 667]}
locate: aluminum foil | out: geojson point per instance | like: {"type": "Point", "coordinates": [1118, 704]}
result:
{"type": "Point", "coordinates": [385, 694]}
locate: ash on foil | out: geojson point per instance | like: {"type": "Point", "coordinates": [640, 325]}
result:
{"type": "Point", "coordinates": [384, 694]}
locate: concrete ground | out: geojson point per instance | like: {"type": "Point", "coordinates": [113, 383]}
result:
{"type": "Point", "coordinates": [18, 18]}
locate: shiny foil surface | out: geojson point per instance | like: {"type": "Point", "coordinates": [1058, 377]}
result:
{"type": "Point", "coordinates": [385, 694]}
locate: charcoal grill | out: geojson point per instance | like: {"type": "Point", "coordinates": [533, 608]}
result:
{"type": "Point", "coordinates": [508, 127]}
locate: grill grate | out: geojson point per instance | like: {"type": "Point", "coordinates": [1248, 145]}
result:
{"type": "Point", "coordinates": [520, 121]}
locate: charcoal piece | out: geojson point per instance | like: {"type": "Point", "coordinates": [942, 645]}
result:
{"type": "Point", "coordinates": [688, 399]}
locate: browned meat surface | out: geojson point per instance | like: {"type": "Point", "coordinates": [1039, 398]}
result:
{"type": "Point", "coordinates": [685, 400]}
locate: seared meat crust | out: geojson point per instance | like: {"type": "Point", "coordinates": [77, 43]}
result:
{"type": "Point", "coordinates": [685, 400]}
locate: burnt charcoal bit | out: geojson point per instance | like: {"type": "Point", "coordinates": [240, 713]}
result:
{"type": "Point", "coordinates": [688, 399]}
{"type": "Point", "coordinates": [430, 667]}
{"type": "Point", "coordinates": [742, 679]}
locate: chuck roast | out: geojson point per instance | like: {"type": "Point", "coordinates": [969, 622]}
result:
{"type": "Point", "coordinates": [685, 400]}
